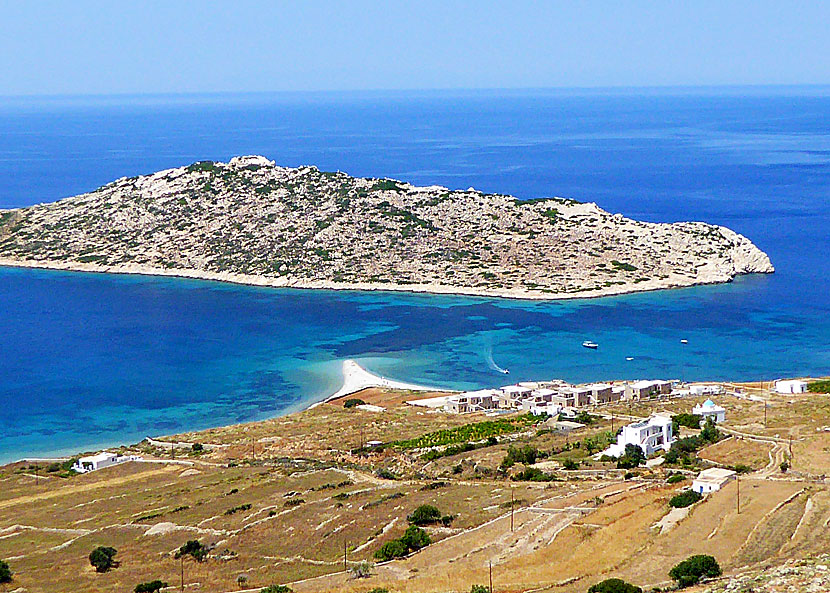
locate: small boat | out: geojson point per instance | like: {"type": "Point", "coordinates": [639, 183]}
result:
{"type": "Point", "coordinates": [590, 344]}
{"type": "Point", "coordinates": [684, 341]}
{"type": "Point", "coordinates": [629, 358]}
{"type": "Point", "coordinates": [505, 372]}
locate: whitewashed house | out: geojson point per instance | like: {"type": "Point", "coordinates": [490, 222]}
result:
{"type": "Point", "coordinates": [710, 409]}
{"type": "Point", "coordinates": [100, 461]}
{"type": "Point", "coordinates": [791, 386]}
{"type": "Point", "coordinates": [712, 479]}
{"type": "Point", "coordinates": [705, 389]}
{"type": "Point", "coordinates": [650, 435]}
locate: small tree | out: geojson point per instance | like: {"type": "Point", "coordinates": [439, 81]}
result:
{"type": "Point", "coordinates": [103, 558]}
{"type": "Point", "coordinates": [193, 548]}
{"type": "Point", "coordinates": [150, 587]}
{"type": "Point", "coordinates": [709, 432]}
{"type": "Point", "coordinates": [353, 402]}
{"type": "Point", "coordinates": [614, 586]}
{"type": "Point", "coordinates": [479, 589]}
{"type": "Point", "coordinates": [570, 464]}
{"type": "Point", "coordinates": [784, 466]}
{"type": "Point", "coordinates": [242, 581]}
{"type": "Point", "coordinates": [5, 572]}
{"type": "Point", "coordinates": [197, 447]}
{"type": "Point", "coordinates": [415, 538]}
{"type": "Point", "coordinates": [391, 550]}
{"type": "Point", "coordinates": [426, 514]}
{"type": "Point", "coordinates": [631, 458]}
{"type": "Point", "coordinates": [692, 569]}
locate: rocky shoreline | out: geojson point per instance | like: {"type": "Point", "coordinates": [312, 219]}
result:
{"type": "Point", "coordinates": [251, 222]}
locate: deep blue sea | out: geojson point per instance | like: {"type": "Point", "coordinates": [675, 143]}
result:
{"type": "Point", "coordinates": [91, 360]}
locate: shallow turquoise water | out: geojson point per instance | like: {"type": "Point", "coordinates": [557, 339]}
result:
{"type": "Point", "coordinates": [88, 360]}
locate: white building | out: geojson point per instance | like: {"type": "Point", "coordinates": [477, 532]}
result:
{"type": "Point", "coordinates": [712, 479]}
{"type": "Point", "coordinates": [650, 435]}
{"type": "Point", "coordinates": [710, 409]}
{"type": "Point", "coordinates": [704, 389]}
{"type": "Point", "coordinates": [100, 461]}
{"type": "Point", "coordinates": [791, 386]}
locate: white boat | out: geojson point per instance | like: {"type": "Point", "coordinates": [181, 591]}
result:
{"type": "Point", "coordinates": [590, 344]}
{"type": "Point", "coordinates": [684, 341]}
{"type": "Point", "coordinates": [505, 372]}
{"type": "Point", "coordinates": [629, 358]}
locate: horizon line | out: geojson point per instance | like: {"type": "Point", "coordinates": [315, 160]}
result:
{"type": "Point", "coordinates": [600, 89]}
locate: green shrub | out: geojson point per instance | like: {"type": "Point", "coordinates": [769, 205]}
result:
{"type": "Point", "coordinates": [385, 474]}
{"type": "Point", "coordinates": [391, 550]}
{"type": "Point", "coordinates": [784, 466]}
{"type": "Point", "coordinates": [614, 586]}
{"type": "Point", "coordinates": [276, 589]}
{"type": "Point", "coordinates": [631, 458]}
{"type": "Point", "coordinates": [479, 589]}
{"type": "Point", "coordinates": [687, 420]}
{"type": "Point", "coordinates": [570, 464]}
{"type": "Point", "coordinates": [415, 538]}
{"type": "Point", "coordinates": [193, 548]}
{"type": "Point", "coordinates": [691, 570]}
{"type": "Point", "coordinates": [426, 514]}
{"type": "Point", "coordinates": [685, 499]}
{"type": "Point", "coordinates": [150, 587]}
{"type": "Point", "coordinates": [103, 558]}
{"type": "Point", "coordinates": [675, 478]}
{"type": "Point", "coordinates": [353, 402]}
{"type": "Point", "coordinates": [525, 454]}
{"type": "Point", "coordinates": [5, 572]}
{"type": "Point", "coordinates": [534, 474]}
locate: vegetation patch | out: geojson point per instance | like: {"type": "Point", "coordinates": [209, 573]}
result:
{"type": "Point", "coordinates": [822, 386]}
{"type": "Point", "coordinates": [685, 499]}
{"type": "Point", "coordinates": [469, 432]}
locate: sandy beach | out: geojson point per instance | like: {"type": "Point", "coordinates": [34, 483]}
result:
{"type": "Point", "coordinates": [356, 378]}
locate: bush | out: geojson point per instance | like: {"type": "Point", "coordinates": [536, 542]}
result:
{"type": "Point", "coordinates": [361, 570]}
{"type": "Point", "coordinates": [385, 474]}
{"type": "Point", "coordinates": [742, 469]}
{"type": "Point", "coordinates": [426, 514]}
{"type": "Point", "coordinates": [524, 454]}
{"type": "Point", "coordinates": [197, 447]}
{"type": "Point", "coordinates": [391, 550]}
{"type": "Point", "coordinates": [819, 386]}
{"type": "Point", "coordinates": [5, 572]}
{"type": "Point", "coordinates": [709, 432]}
{"type": "Point", "coordinates": [631, 458]}
{"type": "Point", "coordinates": [691, 570]}
{"type": "Point", "coordinates": [570, 464]}
{"type": "Point", "coordinates": [276, 589]}
{"type": "Point", "coordinates": [193, 548]}
{"type": "Point", "coordinates": [687, 420]}
{"type": "Point", "coordinates": [103, 558]}
{"type": "Point", "coordinates": [534, 474]}
{"type": "Point", "coordinates": [150, 587]}
{"type": "Point", "coordinates": [479, 589]}
{"type": "Point", "coordinates": [353, 402]}
{"type": "Point", "coordinates": [413, 539]}
{"type": "Point", "coordinates": [675, 478]}
{"type": "Point", "coordinates": [614, 586]}
{"type": "Point", "coordinates": [685, 499]}
{"type": "Point", "coordinates": [784, 466]}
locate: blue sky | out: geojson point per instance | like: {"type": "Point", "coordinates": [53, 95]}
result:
{"type": "Point", "coordinates": [85, 47]}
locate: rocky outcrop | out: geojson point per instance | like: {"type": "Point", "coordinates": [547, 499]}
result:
{"type": "Point", "coordinates": [254, 222]}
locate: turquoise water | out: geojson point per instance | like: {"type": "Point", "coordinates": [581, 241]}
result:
{"type": "Point", "coordinates": [89, 360]}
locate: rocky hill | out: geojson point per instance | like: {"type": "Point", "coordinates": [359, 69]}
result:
{"type": "Point", "coordinates": [253, 222]}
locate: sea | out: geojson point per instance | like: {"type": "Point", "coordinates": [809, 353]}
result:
{"type": "Point", "coordinates": [94, 360]}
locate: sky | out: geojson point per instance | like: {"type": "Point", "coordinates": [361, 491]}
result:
{"type": "Point", "coordinates": [94, 47]}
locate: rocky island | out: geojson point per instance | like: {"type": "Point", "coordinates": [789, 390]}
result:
{"type": "Point", "coordinates": [250, 221]}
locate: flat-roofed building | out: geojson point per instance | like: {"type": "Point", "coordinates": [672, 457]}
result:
{"type": "Point", "coordinates": [712, 479]}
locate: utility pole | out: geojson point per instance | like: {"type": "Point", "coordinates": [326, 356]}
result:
{"type": "Point", "coordinates": [345, 565]}
{"type": "Point", "coordinates": [512, 503]}
{"type": "Point", "coordinates": [790, 447]}
{"type": "Point", "coordinates": [182, 559]}
{"type": "Point", "coordinates": [172, 451]}
{"type": "Point", "coordinates": [765, 414]}
{"type": "Point", "coordinates": [37, 478]}
{"type": "Point", "coordinates": [490, 564]}
{"type": "Point", "coordinates": [612, 421]}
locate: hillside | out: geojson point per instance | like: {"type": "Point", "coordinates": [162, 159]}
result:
{"type": "Point", "coordinates": [253, 222]}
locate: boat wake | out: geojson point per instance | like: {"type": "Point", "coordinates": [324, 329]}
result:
{"type": "Point", "coordinates": [488, 356]}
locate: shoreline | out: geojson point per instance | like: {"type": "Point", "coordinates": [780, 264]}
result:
{"type": "Point", "coordinates": [356, 379]}
{"type": "Point", "coordinates": [299, 284]}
